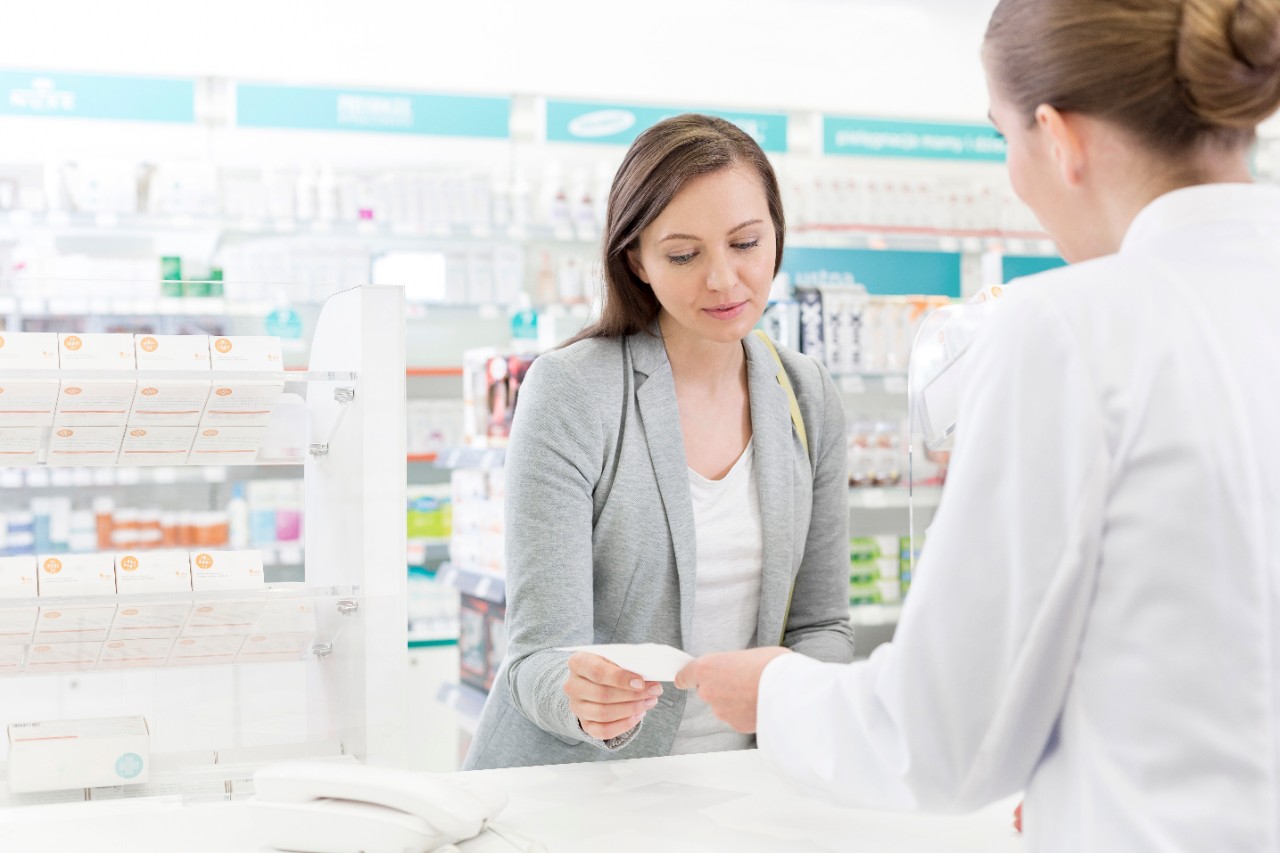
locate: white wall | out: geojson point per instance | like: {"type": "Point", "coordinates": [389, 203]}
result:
{"type": "Point", "coordinates": [876, 57]}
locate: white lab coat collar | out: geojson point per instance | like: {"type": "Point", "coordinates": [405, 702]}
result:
{"type": "Point", "coordinates": [1200, 204]}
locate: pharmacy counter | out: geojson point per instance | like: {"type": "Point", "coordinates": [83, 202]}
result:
{"type": "Point", "coordinates": [683, 804]}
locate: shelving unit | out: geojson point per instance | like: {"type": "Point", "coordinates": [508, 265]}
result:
{"type": "Point", "coordinates": [341, 693]}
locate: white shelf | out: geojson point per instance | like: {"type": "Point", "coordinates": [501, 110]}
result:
{"type": "Point", "coordinates": [61, 222]}
{"type": "Point", "coordinates": [268, 593]}
{"type": "Point", "coordinates": [471, 457]}
{"type": "Point", "coordinates": [869, 615]}
{"type": "Point", "coordinates": [42, 477]}
{"type": "Point", "coordinates": [888, 382]}
{"type": "Point", "coordinates": [893, 497]}
{"type": "Point", "coordinates": [288, 377]}
{"type": "Point", "coordinates": [477, 583]}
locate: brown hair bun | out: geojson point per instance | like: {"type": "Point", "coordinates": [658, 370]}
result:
{"type": "Point", "coordinates": [1228, 60]}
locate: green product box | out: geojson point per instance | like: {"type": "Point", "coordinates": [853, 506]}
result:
{"type": "Point", "coordinates": [863, 549]}
{"type": "Point", "coordinates": [197, 289]}
{"type": "Point", "coordinates": [171, 276]}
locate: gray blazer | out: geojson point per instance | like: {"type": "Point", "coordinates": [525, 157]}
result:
{"type": "Point", "coordinates": [600, 537]}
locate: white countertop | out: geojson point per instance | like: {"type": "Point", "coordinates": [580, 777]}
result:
{"type": "Point", "coordinates": [682, 804]}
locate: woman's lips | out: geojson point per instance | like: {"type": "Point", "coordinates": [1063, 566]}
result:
{"type": "Point", "coordinates": [726, 312]}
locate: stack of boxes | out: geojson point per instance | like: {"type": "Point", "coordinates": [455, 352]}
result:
{"type": "Point", "coordinates": [97, 412]}
{"type": "Point", "coordinates": [879, 569]}
{"type": "Point", "coordinates": [62, 613]}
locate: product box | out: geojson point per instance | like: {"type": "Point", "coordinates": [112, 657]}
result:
{"type": "Point", "coordinates": [85, 445]}
{"type": "Point", "coordinates": [262, 648]}
{"type": "Point", "coordinates": [85, 401]}
{"type": "Point", "coordinates": [18, 577]}
{"type": "Point", "coordinates": [214, 570]}
{"type": "Point", "coordinates": [235, 445]}
{"type": "Point", "coordinates": [17, 580]}
{"type": "Point", "coordinates": [11, 659]}
{"type": "Point", "coordinates": [287, 617]}
{"type": "Point", "coordinates": [75, 624]}
{"type": "Point", "coordinates": [156, 445]}
{"type": "Point", "coordinates": [133, 654]}
{"type": "Point", "coordinates": [149, 621]}
{"type": "Point", "coordinates": [153, 571]}
{"type": "Point", "coordinates": [58, 754]}
{"type": "Point", "coordinates": [223, 619]}
{"type": "Point", "coordinates": [77, 656]}
{"type": "Point", "coordinates": [20, 445]}
{"type": "Point", "coordinates": [202, 651]}
{"type": "Point", "coordinates": [246, 402]}
{"type": "Point", "coordinates": [76, 574]}
{"type": "Point", "coordinates": [28, 402]}
{"type": "Point", "coordinates": [170, 402]}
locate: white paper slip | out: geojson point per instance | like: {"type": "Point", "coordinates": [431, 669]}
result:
{"type": "Point", "coordinates": [650, 661]}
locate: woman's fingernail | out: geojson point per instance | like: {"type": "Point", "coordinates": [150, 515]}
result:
{"type": "Point", "coordinates": [655, 690]}
{"type": "Point", "coordinates": [649, 703]}
{"type": "Point", "coordinates": [637, 684]}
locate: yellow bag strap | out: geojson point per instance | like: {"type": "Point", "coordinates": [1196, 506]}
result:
{"type": "Point", "coordinates": [785, 381]}
{"type": "Point", "coordinates": [798, 421]}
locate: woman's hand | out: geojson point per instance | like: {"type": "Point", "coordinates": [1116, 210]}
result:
{"type": "Point", "coordinates": [730, 683]}
{"type": "Point", "coordinates": [607, 699]}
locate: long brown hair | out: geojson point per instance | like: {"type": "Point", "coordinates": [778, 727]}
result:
{"type": "Point", "coordinates": [660, 162]}
{"type": "Point", "coordinates": [1175, 73]}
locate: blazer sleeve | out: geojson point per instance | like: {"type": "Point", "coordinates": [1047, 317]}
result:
{"type": "Point", "coordinates": [553, 462]}
{"type": "Point", "coordinates": [818, 624]}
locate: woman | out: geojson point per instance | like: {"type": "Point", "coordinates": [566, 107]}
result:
{"type": "Point", "coordinates": [648, 460]}
{"type": "Point", "coordinates": [1096, 618]}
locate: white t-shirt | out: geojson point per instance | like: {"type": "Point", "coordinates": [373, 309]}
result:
{"type": "Point", "coordinates": [726, 518]}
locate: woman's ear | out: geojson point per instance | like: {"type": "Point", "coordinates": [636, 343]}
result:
{"type": "Point", "coordinates": [1064, 134]}
{"type": "Point", "coordinates": [633, 261]}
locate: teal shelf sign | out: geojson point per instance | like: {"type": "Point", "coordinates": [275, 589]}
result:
{"type": "Point", "coordinates": [47, 94]}
{"type": "Point", "coordinates": [884, 273]}
{"type": "Point", "coordinates": [413, 113]}
{"type": "Point", "coordinates": [1019, 266]}
{"type": "Point", "coordinates": [614, 124]}
{"type": "Point", "coordinates": [867, 137]}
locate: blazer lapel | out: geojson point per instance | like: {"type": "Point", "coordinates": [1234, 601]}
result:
{"type": "Point", "coordinates": [660, 421]}
{"type": "Point", "coordinates": [775, 450]}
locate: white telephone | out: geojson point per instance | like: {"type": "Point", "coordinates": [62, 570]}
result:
{"type": "Point", "coordinates": [321, 807]}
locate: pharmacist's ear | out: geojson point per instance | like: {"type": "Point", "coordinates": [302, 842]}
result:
{"type": "Point", "coordinates": [633, 261]}
{"type": "Point", "coordinates": [1066, 135]}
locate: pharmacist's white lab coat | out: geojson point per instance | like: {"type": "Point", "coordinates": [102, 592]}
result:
{"type": "Point", "coordinates": [1096, 616]}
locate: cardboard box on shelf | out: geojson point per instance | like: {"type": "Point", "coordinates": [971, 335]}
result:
{"type": "Point", "coordinates": [202, 651]}
{"type": "Point", "coordinates": [97, 401]}
{"type": "Point", "coordinates": [17, 581]}
{"type": "Point", "coordinates": [260, 648]}
{"type": "Point", "coordinates": [21, 445]}
{"type": "Point", "coordinates": [135, 653]}
{"type": "Point", "coordinates": [28, 402]}
{"type": "Point", "coordinates": [75, 656]}
{"type": "Point", "coordinates": [76, 574]}
{"type": "Point", "coordinates": [153, 571]}
{"type": "Point", "coordinates": [156, 445]}
{"type": "Point", "coordinates": [85, 445]}
{"type": "Point", "coordinates": [11, 659]}
{"type": "Point", "coordinates": [235, 445]}
{"type": "Point", "coordinates": [57, 754]}
{"type": "Point", "coordinates": [171, 402]}
{"type": "Point", "coordinates": [149, 621]}
{"type": "Point", "coordinates": [220, 570]}
{"type": "Point", "coordinates": [247, 402]}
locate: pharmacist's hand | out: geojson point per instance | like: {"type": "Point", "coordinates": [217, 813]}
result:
{"type": "Point", "coordinates": [730, 683]}
{"type": "Point", "coordinates": [607, 699]}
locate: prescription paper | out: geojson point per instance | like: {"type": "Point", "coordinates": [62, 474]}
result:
{"type": "Point", "coordinates": [650, 661]}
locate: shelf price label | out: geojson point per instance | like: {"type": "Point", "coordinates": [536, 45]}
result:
{"type": "Point", "coordinates": [370, 111]}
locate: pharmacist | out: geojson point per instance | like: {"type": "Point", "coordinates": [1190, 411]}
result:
{"type": "Point", "coordinates": [1096, 618]}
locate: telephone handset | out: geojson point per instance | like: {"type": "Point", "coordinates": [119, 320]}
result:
{"type": "Point", "coordinates": [322, 807]}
